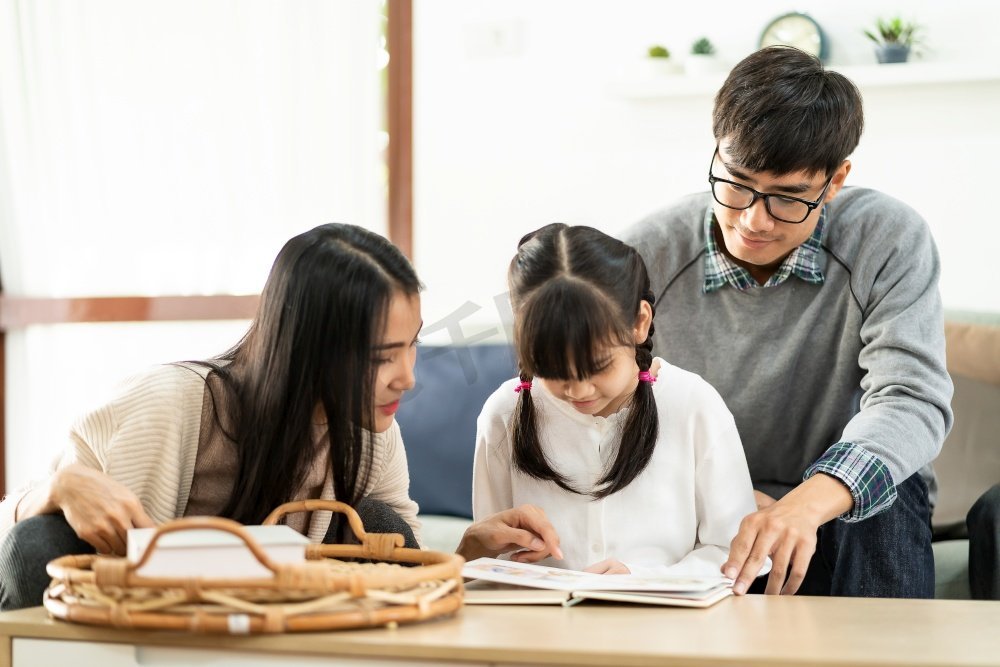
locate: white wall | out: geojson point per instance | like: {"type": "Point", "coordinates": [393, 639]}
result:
{"type": "Point", "coordinates": [57, 373]}
{"type": "Point", "coordinates": [520, 120]}
{"type": "Point", "coordinates": [167, 147]}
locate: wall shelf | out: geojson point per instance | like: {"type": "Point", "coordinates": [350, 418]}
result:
{"type": "Point", "coordinates": [652, 87]}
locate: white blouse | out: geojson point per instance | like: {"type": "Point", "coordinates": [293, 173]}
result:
{"type": "Point", "coordinates": [677, 516]}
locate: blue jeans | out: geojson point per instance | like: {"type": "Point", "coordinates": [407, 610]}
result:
{"type": "Point", "coordinates": [377, 517]}
{"type": "Point", "coordinates": [25, 552]}
{"type": "Point", "coordinates": [32, 543]}
{"type": "Point", "coordinates": [886, 556]}
{"type": "Point", "coordinates": [983, 522]}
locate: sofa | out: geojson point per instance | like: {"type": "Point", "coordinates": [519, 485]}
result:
{"type": "Point", "coordinates": [438, 422]}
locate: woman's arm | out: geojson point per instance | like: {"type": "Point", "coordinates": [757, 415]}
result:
{"type": "Point", "coordinates": [500, 527]}
{"type": "Point", "coordinates": [123, 461]}
{"type": "Point", "coordinates": [99, 509]}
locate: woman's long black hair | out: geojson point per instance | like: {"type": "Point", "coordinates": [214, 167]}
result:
{"type": "Point", "coordinates": [322, 311]}
{"type": "Point", "coordinates": [574, 291]}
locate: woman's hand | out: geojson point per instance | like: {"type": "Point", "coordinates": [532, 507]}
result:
{"type": "Point", "coordinates": [525, 527]}
{"type": "Point", "coordinates": [609, 566]}
{"type": "Point", "coordinates": [99, 509]}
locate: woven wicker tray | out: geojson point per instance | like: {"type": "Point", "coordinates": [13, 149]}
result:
{"type": "Point", "coordinates": [322, 594]}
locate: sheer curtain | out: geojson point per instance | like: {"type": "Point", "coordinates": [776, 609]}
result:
{"type": "Point", "coordinates": [155, 147]}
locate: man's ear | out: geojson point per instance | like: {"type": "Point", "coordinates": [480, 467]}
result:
{"type": "Point", "coordinates": [837, 182]}
{"type": "Point", "coordinates": [643, 321]}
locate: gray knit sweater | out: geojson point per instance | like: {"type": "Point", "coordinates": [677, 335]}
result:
{"type": "Point", "coordinates": [858, 359]}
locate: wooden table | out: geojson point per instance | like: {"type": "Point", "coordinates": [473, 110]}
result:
{"type": "Point", "coordinates": [753, 630]}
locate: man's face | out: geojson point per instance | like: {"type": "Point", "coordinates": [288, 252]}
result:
{"type": "Point", "coordinates": [752, 237]}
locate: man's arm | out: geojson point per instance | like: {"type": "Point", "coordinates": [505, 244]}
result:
{"type": "Point", "coordinates": [905, 408]}
{"type": "Point", "coordinates": [786, 531]}
{"type": "Point", "coordinates": [906, 402]}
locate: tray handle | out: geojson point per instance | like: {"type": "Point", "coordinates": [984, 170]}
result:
{"type": "Point", "coordinates": [205, 523]}
{"type": "Point", "coordinates": [374, 545]}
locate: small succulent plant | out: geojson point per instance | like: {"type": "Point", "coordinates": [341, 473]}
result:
{"type": "Point", "coordinates": [702, 47]}
{"type": "Point", "coordinates": [658, 51]}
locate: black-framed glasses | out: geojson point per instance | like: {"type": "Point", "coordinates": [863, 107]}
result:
{"type": "Point", "coordinates": [781, 207]}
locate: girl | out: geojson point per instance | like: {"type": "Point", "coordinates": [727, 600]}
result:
{"type": "Point", "coordinates": [302, 407]}
{"type": "Point", "coordinates": [636, 463]}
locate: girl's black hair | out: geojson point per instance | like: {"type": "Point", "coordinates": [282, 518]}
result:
{"type": "Point", "coordinates": [575, 291]}
{"type": "Point", "coordinates": [322, 313]}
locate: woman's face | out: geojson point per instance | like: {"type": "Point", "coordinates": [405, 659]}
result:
{"type": "Point", "coordinates": [395, 356]}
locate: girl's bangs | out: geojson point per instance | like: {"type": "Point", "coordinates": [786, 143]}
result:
{"type": "Point", "coordinates": [563, 332]}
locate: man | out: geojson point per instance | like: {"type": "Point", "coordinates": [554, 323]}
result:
{"type": "Point", "coordinates": [814, 310]}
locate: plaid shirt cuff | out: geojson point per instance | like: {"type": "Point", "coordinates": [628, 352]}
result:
{"type": "Point", "coordinates": [865, 475]}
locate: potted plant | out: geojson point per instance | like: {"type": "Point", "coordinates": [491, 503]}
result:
{"type": "Point", "coordinates": [658, 51]}
{"type": "Point", "coordinates": [702, 57]}
{"type": "Point", "coordinates": [659, 61]}
{"type": "Point", "coordinates": [702, 47]}
{"type": "Point", "coordinates": [893, 39]}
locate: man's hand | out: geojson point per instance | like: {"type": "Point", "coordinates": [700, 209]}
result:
{"type": "Point", "coordinates": [609, 566]}
{"type": "Point", "coordinates": [525, 527]}
{"type": "Point", "coordinates": [785, 530]}
{"type": "Point", "coordinates": [99, 509]}
{"type": "Point", "coordinates": [762, 499]}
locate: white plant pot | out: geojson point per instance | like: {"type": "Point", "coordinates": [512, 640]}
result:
{"type": "Point", "coordinates": [657, 67]}
{"type": "Point", "coordinates": [696, 64]}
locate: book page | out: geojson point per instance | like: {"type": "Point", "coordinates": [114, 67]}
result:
{"type": "Point", "coordinates": [541, 576]}
{"type": "Point", "coordinates": [697, 600]}
{"type": "Point", "coordinates": [491, 592]}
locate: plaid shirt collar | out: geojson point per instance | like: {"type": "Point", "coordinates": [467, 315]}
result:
{"type": "Point", "coordinates": [802, 262]}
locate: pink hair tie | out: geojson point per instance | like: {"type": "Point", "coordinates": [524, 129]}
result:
{"type": "Point", "coordinates": [645, 376]}
{"type": "Point", "coordinates": [524, 386]}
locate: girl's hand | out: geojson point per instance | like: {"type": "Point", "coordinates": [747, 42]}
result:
{"type": "Point", "coordinates": [99, 509]}
{"type": "Point", "coordinates": [525, 527]}
{"type": "Point", "coordinates": [609, 566]}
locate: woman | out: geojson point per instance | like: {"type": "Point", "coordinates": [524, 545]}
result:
{"type": "Point", "coordinates": [302, 407]}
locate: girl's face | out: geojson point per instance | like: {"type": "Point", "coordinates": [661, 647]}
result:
{"type": "Point", "coordinates": [395, 356]}
{"type": "Point", "coordinates": [603, 393]}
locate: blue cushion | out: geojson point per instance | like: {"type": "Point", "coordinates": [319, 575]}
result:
{"type": "Point", "coordinates": [438, 421]}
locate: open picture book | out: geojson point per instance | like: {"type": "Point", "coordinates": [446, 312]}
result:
{"type": "Point", "coordinates": [506, 582]}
